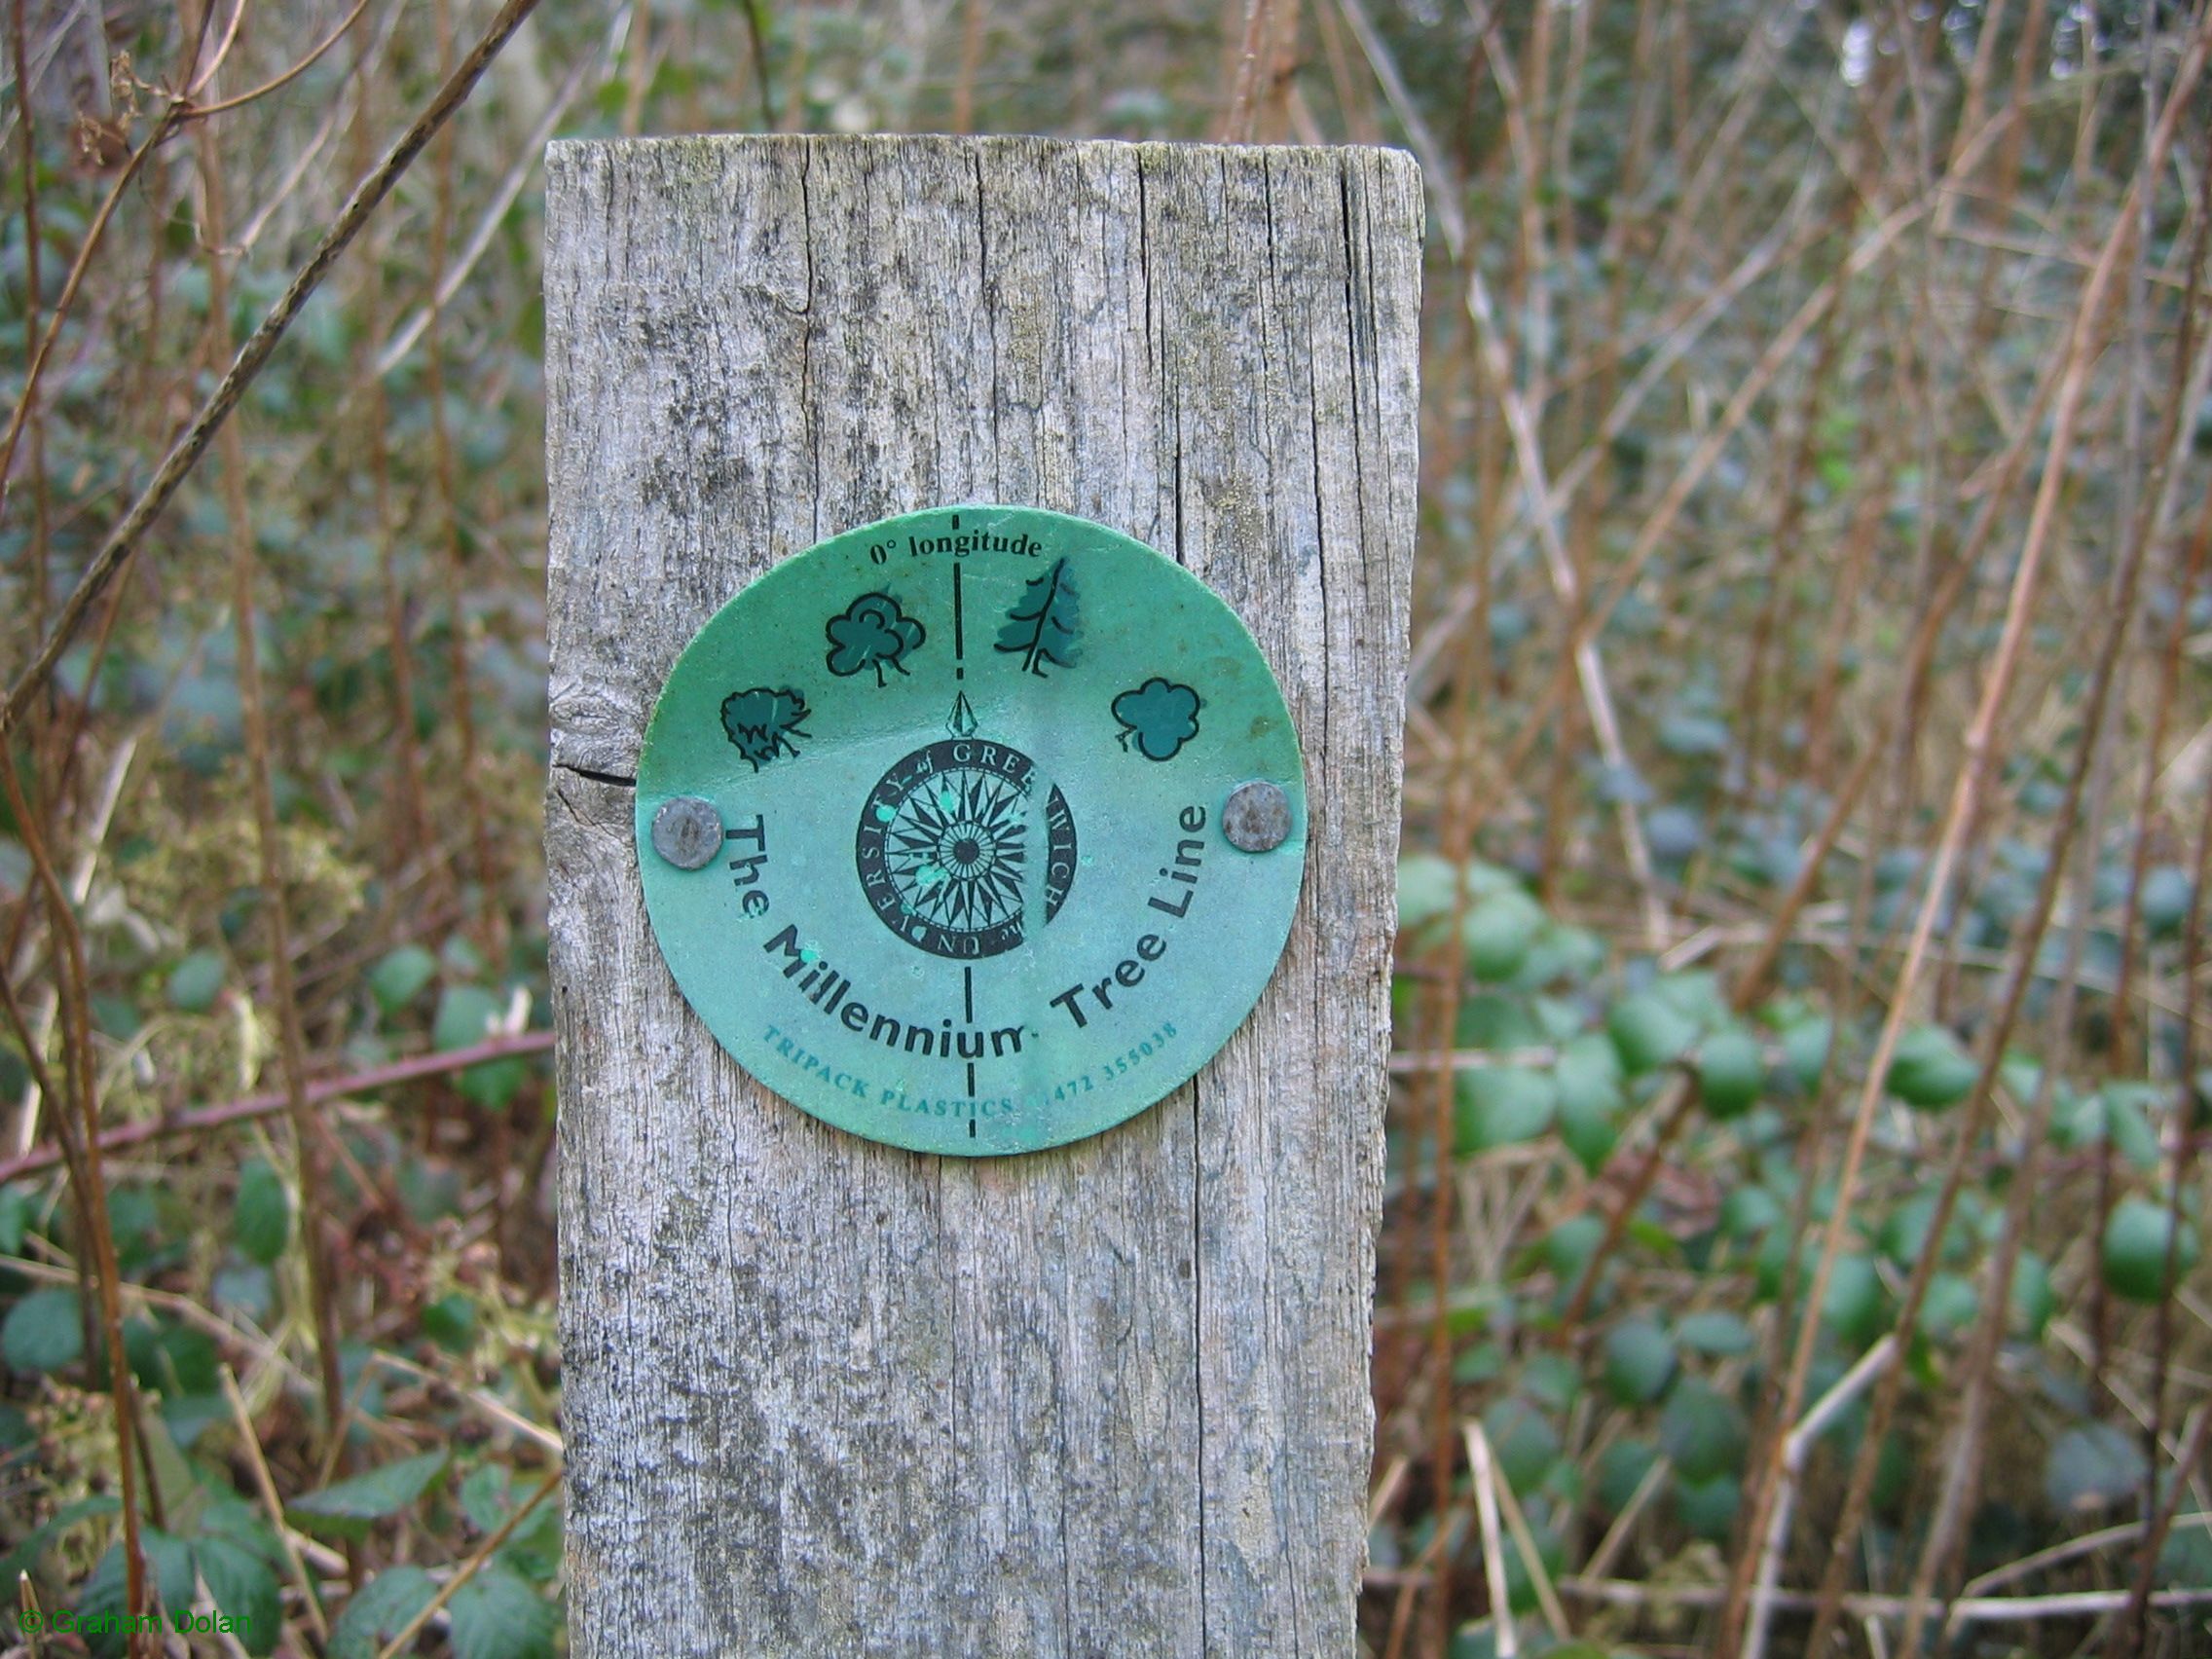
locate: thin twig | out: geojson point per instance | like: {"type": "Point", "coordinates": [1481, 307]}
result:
{"type": "Point", "coordinates": [252, 356]}
{"type": "Point", "coordinates": [319, 1091]}
{"type": "Point", "coordinates": [1493, 1552]}
{"type": "Point", "coordinates": [266, 1486]}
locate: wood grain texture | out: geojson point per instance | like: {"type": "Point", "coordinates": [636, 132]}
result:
{"type": "Point", "coordinates": [826, 1397]}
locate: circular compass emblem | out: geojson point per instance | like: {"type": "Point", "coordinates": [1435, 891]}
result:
{"type": "Point", "coordinates": [944, 845]}
{"type": "Point", "coordinates": [976, 830]}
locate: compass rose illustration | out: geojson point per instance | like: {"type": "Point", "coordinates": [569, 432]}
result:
{"type": "Point", "coordinates": [948, 851]}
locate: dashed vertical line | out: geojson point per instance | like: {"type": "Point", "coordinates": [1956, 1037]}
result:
{"type": "Point", "coordinates": [959, 637]}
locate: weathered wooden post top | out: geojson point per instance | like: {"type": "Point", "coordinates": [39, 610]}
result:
{"type": "Point", "coordinates": [978, 589]}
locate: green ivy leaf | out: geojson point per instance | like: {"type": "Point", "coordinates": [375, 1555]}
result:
{"type": "Point", "coordinates": [1640, 1361]}
{"type": "Point", "coordinates": [2164, 900]}
{"type": "Point", "coordinates": [1621, 1468]}
{"type": "Point", "coordinates": [1504, 1105]}
{"type": "Point", "coordinates": [1748, 1212]}
{"type": "Point", "coordinates": [490, 1494]}
{"type": "Point", "coordinates": [2033, 1301]}
{"type": "Point", "coordinates": [2136, 1237]}
{"type": "Point", "coordinates": [466, 1015]}
{"type": "Point", "coordinates": [1425, 886]}
{"type": "Point", "coordinates": [1715, 1332]}
{"type": "Point", "coordinates": [1855, 1304]}
{"type": "Point", "coordinates": [398, 978]}
{"type": "Point", "coordinates": [1524, 1441]}
{"type": "Point", "coordinates": [1648, 1032]}
{"type": "Point", "coordinates": [1569, 1246]}
{"type": "Point", "coordinates": [1805, 1048]}
{"type": "Point", "coordinates": [1951, 1304]}
{"type": "Point", "coordinates": [1731, 1073]}
{"type": "Point", "coordinates": [1497, 934]}
{"type": "Point", "coordinates": [2092, 1466]}
{"type": "Point", "coordinates": [1930, 1070]}
{"type": "Point", "coordinates": [1588, 1131]}
{"type": "Point", "coordinates": [43, 1332]}
{"type": "Point", "coordinates": [1703, 1432]}
{"type": "Point", "coordinates": [262, 1221]}
{"type": "Point", "coordinates": [15, 1219]}
{"type": "Point", "coordinates": [350, 1507]}
{"type": "Point", "coordinates": [1904, 1236]}
{"type": "Point", "coordinates": [1588, 1074]}
{"type": "Point", "coordinates": [196, 983]}
{"type": "Point", "coordinates": [1707, 1508]}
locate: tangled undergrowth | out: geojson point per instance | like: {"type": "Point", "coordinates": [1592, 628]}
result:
{"type": "Point", "coordinates": [1793, 1233]}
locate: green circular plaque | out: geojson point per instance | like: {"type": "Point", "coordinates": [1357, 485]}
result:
{"type": "Point", "coordinates": [974, 893]}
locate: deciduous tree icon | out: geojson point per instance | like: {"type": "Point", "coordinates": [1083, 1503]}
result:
{"type": "Point", "coordinates": [1042, 626]}
{"type": "Point", "coordinates": [873, 633]}
{"type": "Point", "coordinates": [1160, 715]}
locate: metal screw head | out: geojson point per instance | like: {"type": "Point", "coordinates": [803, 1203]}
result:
{"type": "Point", "coordinates": [687, 831]}
{"type": "Point", "coordinates": [1256, 817]}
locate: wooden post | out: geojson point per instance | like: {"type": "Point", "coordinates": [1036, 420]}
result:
{"type": "Point", "coordinates": [823, 1396]}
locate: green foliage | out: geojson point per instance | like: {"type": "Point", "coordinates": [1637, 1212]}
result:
{"type": "Point", "coordinates": [490, 1494]}
{"type": "Point", "coordinates": [1498, 932]}
{"type": "Point", "coordinates": [379, 1611]}
{"type": "Point", "coordinates": [469, 1015]}
{"type": "Point", "coordinates": [1648, 1031]}
{"type": "Point", "coordinates": [243, 1584]}
{"type": "Point", "coordinates": [350, 1508]}
{"type": "Point", "coordinates": [1706, 1509]}
{"type": "Point", "coordinates": [1929, 1069]}
{"type": "Point", "coordinates": [45, 1331]}
{"type": "Point", "coordinates": [1589, 1096]}
{"type": "Point", "coordinates": [1856, 1307]}
{"type": "Point", "coordinates": [263, 1220]}
{"type": "Point", "coordinates": [1702, 1432]}
{"type": "Point", "coordinates": [2140, 1239]}
{"type": "Point", "coordinates": [1754, 649]}
{"type": "Point", "coordinates": [1621, 1468]}
{"type": "Point", "coordinates": [1716, 1332]}
{"type": "Point", "coordinates": [1523, 1440]}
{"type": "Point", "coordinates": [2092, 1466]}
{"type": "Point", "coordinates": [400, 976]}
{"type": "Point", "coordinates": [2032, 1300]}
{"type": "Point", "coordinates": [1500, 1105]}
{"type": "Point", "coordinates": [1805, 1048]}
{"type": "Point", "coordinates": [499, 1615]}
{"type": "Point", "coordinates": [1731, 1073]}
{"type": "Point", "coordinates": [451, 1322]}
{"type": "Point", "coordinates": [196, 981]}
{"type": "Point", "coordinates": [1640, 1361]}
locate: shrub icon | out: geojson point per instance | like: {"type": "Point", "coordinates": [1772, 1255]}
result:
{"type": "Point", "coordinates": [762, 722]}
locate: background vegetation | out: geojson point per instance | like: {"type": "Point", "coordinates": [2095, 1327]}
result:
{"type": "Point", "coordinates": [1795, 1206]}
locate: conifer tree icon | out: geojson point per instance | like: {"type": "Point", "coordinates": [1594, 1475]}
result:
{"type": "Point", "coordinates": [1042, 626]}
